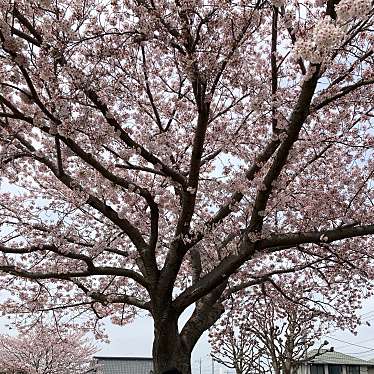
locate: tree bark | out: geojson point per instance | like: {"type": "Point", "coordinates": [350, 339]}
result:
{"type": "Point", "coordinates": [172, 348]}
{"type": "Point", "coordinates": [169, 348]}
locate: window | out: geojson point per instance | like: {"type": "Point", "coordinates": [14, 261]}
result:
{"type": "Point", "coordinates": [316, 369]}
{"type": "Point", "coordinates": [353, 369]}
{"type": "Point", "coordinates": [335, 369]}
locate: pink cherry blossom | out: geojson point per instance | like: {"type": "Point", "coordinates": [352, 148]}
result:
{"type": "Point", "coordinates": [41, 349]}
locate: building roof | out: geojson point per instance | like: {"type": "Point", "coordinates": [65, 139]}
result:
{"type": "Point", "coordinates": [328, 357]}
{"type": "Point", "coordinates": [123, 365]}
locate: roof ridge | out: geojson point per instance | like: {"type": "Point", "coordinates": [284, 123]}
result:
{"type": "Point", "coordinates": [326, 354]}
{"type": "Point", "coordinates": [123, 358]}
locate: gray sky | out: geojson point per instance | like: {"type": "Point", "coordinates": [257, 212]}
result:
{"type": "Point", "coordinates": [361, 344]}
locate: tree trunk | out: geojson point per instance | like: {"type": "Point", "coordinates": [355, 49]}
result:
{"type": "Point", "coordinates": [169, 349]}
{"type": "Point", "coordinates": [276, 369]}
{"type": "Point", "coordinates": [172, 348]}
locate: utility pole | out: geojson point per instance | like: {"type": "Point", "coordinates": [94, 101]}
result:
{"type": "Point", "coordinates": [212, 365]}
{"type": "Point", "coordinates": [200, 365]}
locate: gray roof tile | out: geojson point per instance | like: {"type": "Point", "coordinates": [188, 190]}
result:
{"type": "Point", "coordinates": [328, 357]}
{"type": "Point", "coordinates": [123, 365]}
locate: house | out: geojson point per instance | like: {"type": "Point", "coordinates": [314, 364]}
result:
{"type": "Point", "coordinates": [122, 365]}
{"type": "Point", "coordinates": [371, 369]}
{"type": "Point", "coordinates": [333, 362]}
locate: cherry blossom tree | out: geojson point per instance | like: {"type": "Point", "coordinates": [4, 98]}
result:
{"type": "Point", "coordinates": [236, 348]}
{"type": "Point", "coordinates": [272, 329]}
{"type": "Point", "coordinates": [153, 150]}
{"type": "Point", "coordinates": [44, 350]}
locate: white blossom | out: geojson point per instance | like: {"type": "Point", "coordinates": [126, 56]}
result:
{"type": "Point", "coordinates": [325, 37]}
{"type": "Point", "coordinates": [348, 9]}
{"type": "Point", "coordinates": [324, 238]}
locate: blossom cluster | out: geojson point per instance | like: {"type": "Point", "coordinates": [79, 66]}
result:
{"type": "Point", "coordinates": [347, 9]}
{"type": "Point", "coordinates": [325, 37]}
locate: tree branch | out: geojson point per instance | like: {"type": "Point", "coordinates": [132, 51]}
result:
{"type": "Point", "coordinates": [232, 262]}
{"type": "Point", "coordinates": [91, 268]}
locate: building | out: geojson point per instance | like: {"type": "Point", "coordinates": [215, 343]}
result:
{"type": "Point", "coordinates": [122, 365]}
{"type": "Point", "coordinates": [335, 363]}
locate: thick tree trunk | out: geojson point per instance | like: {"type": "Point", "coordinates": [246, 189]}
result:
{"type": "Point", "coordinates": [276, 369]}
{"type": "Point", "coordinates": [172, 348]}
{"type": "Point", "coordinates": [169, 349]}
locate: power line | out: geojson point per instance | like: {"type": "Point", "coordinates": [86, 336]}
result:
{"type": "Point", "coordinates": [368, 318]}
{"type": "Point", "coordinates": [356, 345]}
{"type": "Point", "coordinates": [365, 353]}
{"type": "Point", "coordinates": [362, 341]}
{"type": "Point", "coordinates": [358, 353]}
{"type": "Point", "coordinates": [365, 320]}
{"type": "Point", "coordinates": [369, 312]}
